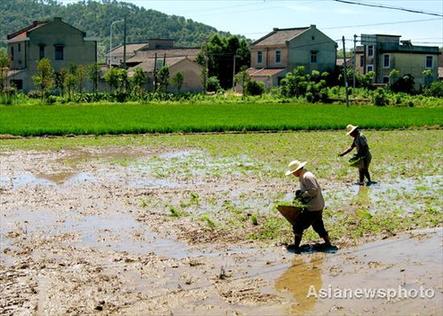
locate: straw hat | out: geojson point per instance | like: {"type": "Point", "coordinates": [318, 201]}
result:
{"type": "Point", "coordinates": [294, 166]}
{"type": "Point", "coordinates": [350, 128]}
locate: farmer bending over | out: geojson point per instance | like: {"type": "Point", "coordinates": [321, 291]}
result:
{"type": "Point", "coordinates": [363, 153]}
{"type": "Point", "coordinates": [312, 212]}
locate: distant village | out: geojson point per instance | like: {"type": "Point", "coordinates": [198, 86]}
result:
{"type": "Point", "coordinates": [272, 56]}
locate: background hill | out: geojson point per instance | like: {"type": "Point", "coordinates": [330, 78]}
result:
{"type": "Point", "coordinates": [95, 17]}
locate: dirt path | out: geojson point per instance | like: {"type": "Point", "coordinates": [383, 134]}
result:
{"type": "Point", "coordinates": [92, 231]}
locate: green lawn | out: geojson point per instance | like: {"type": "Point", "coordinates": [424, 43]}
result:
{"type": "Point", "coordinates": [128, 118]}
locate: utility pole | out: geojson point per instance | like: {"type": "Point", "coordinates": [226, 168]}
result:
{"type": "Point", "coordinates": [155, 72]}
{"type": "Point", "coordinates": [355, 61]}
{"type": "Point", "coordinates": [345, 69]}
{"type": "Point", "coordinates": [233, 72]}
{"type": "Point", "coordinates": [110, 42]}
{"type": "Point", "coordinates": [205, 84]}
{"type": "Point", "coordinates": [124, 44]}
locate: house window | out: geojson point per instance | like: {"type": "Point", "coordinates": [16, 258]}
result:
{"type": "Point", "coordinates": [313, 38]}
{"type": "Point", "coordinates": [385, 79]}
{"type": "Point", "coordinates": [429, 61]}
{"type": "Point", "coordinates": [12, 53]}
{"type": "Point", "coordinates": [370, 68]}
{"type": "Point", "coordinates": [259, 57]}
{"type": "Point", "coordinates": [41, 53]}
{"type": "Point", "coordinates": [370, 51]}
{"type": "Point", "coordinates": [19, 48]}
{"type": "Point", "coordinates": [313, 57]}
{"type": "Point", "coordinates": [362, 61]}
{"type": "Point", "coordinates": [277, 56]}
{"type": "Point", "coordinates": [386, 61]}
{"type": "Point", "coordinates": [59, 52]}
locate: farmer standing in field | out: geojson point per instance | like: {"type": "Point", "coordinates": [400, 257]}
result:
{"type": "Point", "coordinates": [313, 203]}
{"type": "Point", "coordinates": [363, 154]}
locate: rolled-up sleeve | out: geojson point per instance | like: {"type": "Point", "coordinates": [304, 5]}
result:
{"type": "Point", "coordinates": [311, 186]}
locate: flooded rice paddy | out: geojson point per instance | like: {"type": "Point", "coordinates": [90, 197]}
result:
{"type": "Point", "coordinates": [183, 230]}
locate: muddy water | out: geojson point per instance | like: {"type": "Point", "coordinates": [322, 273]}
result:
{"type": "Point", "coordinates": [376, 266]}
{"type": "Point", "coordinates": [91, 230]}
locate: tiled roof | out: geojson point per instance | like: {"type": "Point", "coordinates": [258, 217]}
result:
{"type": "Point", "coordinates": [280, 36]}
{"type": "Point", "coordinates": [23, 33]}
{"type": "Point", "coordinates": [264, 72]}
{"type": "Point", "coordinates": [148, 64]}
{"type": "Point", "coordinates": [130, 49]}
{"type": "Point", "coordinates": [141, 56]}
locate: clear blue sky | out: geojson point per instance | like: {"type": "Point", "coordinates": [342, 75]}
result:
{"type": "Point", "coordinates": [254, 18]}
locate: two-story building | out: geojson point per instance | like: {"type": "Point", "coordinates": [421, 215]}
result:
{"type": "Point", "coordinates": [280, 51]}
{"type": "Point", "coordinates": [383, 53]}
{"type": "Point", "coordinates": [61, 43]}
{"type": "Point", "coordinates": [151, 55]}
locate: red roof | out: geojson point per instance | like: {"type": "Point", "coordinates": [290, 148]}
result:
{"type": "Point", "coordinates": [23, 33]}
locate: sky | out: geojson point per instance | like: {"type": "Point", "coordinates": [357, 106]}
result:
{"type": "Point", "coordinates": [254, 18]}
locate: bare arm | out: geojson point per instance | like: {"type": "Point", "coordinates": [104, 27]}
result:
{"type": "Point", "coordinates": [347, 151]}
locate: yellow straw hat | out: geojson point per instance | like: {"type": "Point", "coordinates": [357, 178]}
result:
{"type": "Point", "coordinates": [294, 166]}
{"type": "Point", "coordinates": [350, 128]}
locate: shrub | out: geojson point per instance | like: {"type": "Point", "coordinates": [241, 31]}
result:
{"type": "Point", "coordinates": [404, 84]}
{"type": "Point", "coordinates": [435, 89]}
{"type": "Point", "coordinates": [51, 99]}
{"type": "Point", "coordinates": [8, 96]}
{"type": "Point", "coordinates": [255, 87]}
{"type": "Point", "coordinates": [213, 84]}
{"type": "Point", "coordinates": [34, 94]}
{"type": "Point", "coordinates": [379, 97]}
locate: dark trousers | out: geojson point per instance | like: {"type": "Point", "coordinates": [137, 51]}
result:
{"type": "Point", "coordinates": [308, 218]}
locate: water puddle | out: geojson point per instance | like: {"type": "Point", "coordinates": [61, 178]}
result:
{"type": "Point", "coordinates": [414, 260]}
{"type": "Point", "coordinates": [408, 195]}
{"type": "Point", "coordinates": [298, 278]}
{"type": "Point", "coordinates": [117, 232]}
{"type": "Point", "coordinates": [27, 178]}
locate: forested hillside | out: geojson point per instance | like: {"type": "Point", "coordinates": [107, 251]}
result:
{"type": "Point", "coordinates": [95, 17]}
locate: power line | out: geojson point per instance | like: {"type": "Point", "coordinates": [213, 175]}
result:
{"type": "Point", "coordinates": [388, 7]}
{"type": "Point", "coordinates": [362, 25]}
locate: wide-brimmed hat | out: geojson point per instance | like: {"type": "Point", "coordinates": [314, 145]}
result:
{"type": "Point", "coordinates": [350, 128]}
{"type": "Point", "coordinates": [294, 166]}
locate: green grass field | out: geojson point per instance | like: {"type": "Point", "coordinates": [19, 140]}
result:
{"type": "Point", "coordinates": [38, 120]}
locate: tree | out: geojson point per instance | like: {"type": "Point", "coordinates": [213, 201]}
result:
{"type": "Point", "coordinates": [405, 84]}
{"type": "Point", "coordinates": [80, 76]}
{"type": "Point", "coordinates": [117, 79]}
{"type": "Point", "coordinates": [242, 78]}
{"type": "Point", "coordinates": [70, 83]}
{"type": "Point", "coordinates": [393, 76]}
{"type": "Point", "coordinates": [428, 77]}
{"type": "Point", "coordinates": [96, 16]}
{"type": "Point", "coordinates": [312, 86]}
{"type": "Point", "coordinates": [213, 84]}
{"type": "Point", "coordinates": [219, 52]}
{"type": "Point", "coordinates": [163, 78]}
{"type": "Point", "coordinates": [255, 87]}
{"type": "Point", "coordinates": [138, 80]}
{"type": "Point", "coordinates": [44, 76]}
{"type": "Point", "coordinates": [4, 68]}
{"type": "Point", "coordinates": [93, 72]}
{"type": "Point", "coordinates": [59, 80]}
{"type": "Point", "coordinates": [177, 81]}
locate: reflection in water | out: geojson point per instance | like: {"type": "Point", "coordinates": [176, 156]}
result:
{"type": "Point", "coordinates": [298, 279]}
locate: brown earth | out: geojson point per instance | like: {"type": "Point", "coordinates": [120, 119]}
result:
{"type": "Point", "coordinates": [90, 231]}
